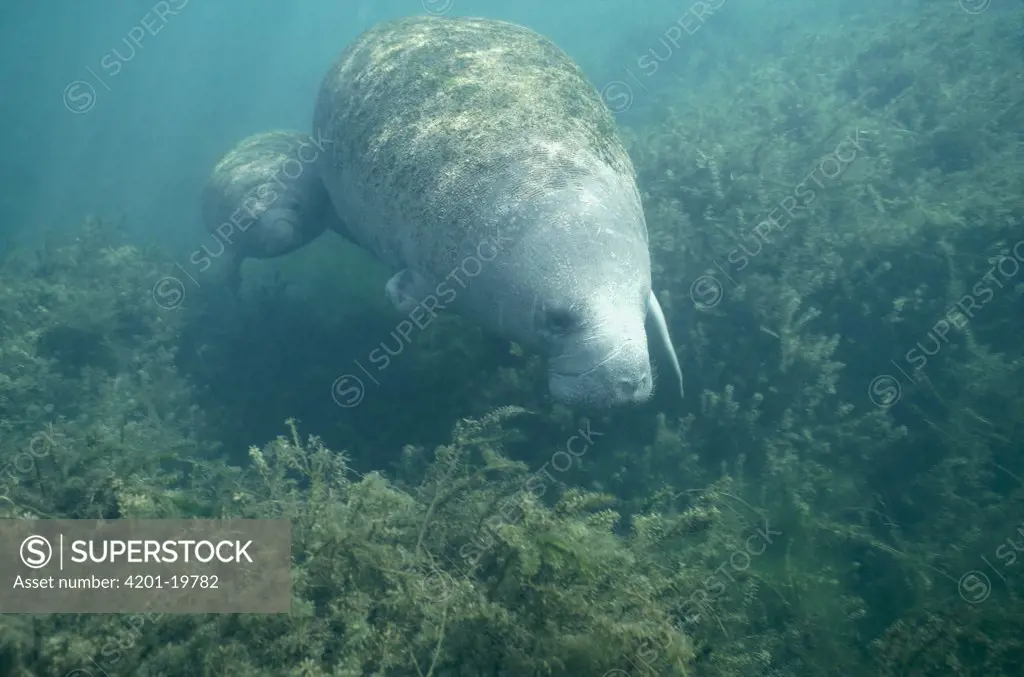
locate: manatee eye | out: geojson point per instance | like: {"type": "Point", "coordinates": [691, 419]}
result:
{"type": "Point", "coordinates": [561, 321]}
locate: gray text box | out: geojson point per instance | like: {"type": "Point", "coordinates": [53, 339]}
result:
{"type": "Point", "coordinates": [130, 566]}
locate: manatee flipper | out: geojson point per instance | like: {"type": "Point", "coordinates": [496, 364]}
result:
{"type": "Point", "coordinates": [406, 290]}
{"type": "Point", "coordinates": [660, 327]}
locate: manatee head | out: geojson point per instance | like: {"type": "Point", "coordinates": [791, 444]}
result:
{"type": "Point", "coordinates": [596, 346]}
{"type": "Point", "coordinates": [263, 200]}
{"type": "Point", "coordinates": [575, 283]}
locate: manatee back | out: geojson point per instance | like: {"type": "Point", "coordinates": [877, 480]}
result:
{"type": "Point", "coordinates": [269, 170]}
{"type": "Point", "coordinates": [442, 126]}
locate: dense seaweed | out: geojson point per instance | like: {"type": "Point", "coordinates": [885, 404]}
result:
{"type": "Point", "coordinates": [841, 494]}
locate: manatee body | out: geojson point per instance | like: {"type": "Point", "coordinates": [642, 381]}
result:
{"type": "Point", "coordinates": [264, 199]}
{"type": "Point", "coordinates": [474, 158]}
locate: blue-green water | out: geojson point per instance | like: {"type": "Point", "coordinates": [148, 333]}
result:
{"type": "Point", "coordinates": [836, 234]}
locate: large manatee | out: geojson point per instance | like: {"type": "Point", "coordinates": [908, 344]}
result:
{"type": "Point", "coordinates": [264, 199]}
{"type": "Point", "coordinates": [474, 158]}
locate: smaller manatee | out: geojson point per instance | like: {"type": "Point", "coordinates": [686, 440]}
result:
{"type": "Point", "coordinates": [265, 199]}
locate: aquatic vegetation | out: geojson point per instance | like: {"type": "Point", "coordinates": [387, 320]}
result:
{"type": "Point", "coordinates": [841, 494]}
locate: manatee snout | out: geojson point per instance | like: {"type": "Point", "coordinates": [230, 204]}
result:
{"type": "Point", "coordinates": [608, 387]}
{"type": "Point", "coordinates": [601, 371]}
{"type": "Point", "coordinates": [632, 383]}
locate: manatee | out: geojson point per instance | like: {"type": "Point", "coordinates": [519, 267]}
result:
{"type": "Point", "coordinates": [476, 160]}
{"type": "Point", "coordinates": [264, 199]}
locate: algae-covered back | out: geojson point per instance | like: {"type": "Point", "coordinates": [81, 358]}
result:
{"type": "Point", "coordinates": [256, 159]}
{"type": "Point", "coordinates": [435, 113]}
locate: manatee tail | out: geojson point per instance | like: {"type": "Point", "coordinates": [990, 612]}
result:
{"type": "Point", "coordinates": [657, 318]}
